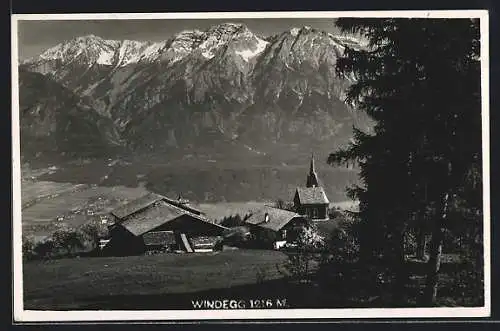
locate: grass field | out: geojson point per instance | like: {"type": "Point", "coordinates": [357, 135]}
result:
{"type": "Point", "coordinates": [172, 281]}
{"type": "Point", "coordinates": [110, 283]}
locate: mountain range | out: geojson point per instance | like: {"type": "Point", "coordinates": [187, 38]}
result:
{"type": "Point", "coordinates": [222, 89]}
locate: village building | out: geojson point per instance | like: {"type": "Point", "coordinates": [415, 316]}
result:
{"type": "Point", "coordinates": [273, 227]}
{"type": "Point", "coordinates": [311, 200]}
{"type": "Point", "coordinates": [157, 223]}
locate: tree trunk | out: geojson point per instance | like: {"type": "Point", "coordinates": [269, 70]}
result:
{"type": "Point", "coordinates": [366, 248]}
{"type": "Point", "coordinates": [401, 274]}
{"type": "Point", "coordinates": [436, 247]}
{"type": "Point", "coordinates": [421, 243]}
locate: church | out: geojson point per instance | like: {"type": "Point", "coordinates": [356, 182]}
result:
{"type": "Point", "coordinates": [311, 201]}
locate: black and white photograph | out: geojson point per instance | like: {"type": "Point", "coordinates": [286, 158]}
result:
{"type": "Point", "coordinates": [250, 165]}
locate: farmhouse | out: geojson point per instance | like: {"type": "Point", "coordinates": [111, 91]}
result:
{"type": "Point", "coordinates": [273, 227]}
{"type": "Point", "coordinates": [157, 223]}
{"type": "Point", "coordinates": [311, 200]}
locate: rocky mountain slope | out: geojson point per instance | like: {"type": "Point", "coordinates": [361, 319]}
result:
{"type": "Point", "coordinates": [53, 118]}
{"type": "Point", "coordinates": [225, 86]}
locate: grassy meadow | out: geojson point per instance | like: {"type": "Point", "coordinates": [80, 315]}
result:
{"type": "Point", "coordinates": [172, 281]}
{"type": "Point", "coordinates": [141, 282]}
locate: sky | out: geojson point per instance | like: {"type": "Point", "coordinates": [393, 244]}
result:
{"type": "Point", "coordinates": [34, 37]}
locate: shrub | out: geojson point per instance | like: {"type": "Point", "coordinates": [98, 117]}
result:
{"type": "Point", "coordinates": [308, 244]}
{"type": "Point", "coordinates": [219, 244]}
{"type": "Point", "coordinates": [338, 269]}
{"type": "Point", "coordinates": [335, 213]}
{"type": "Point", "coordinates": [44, 249]}
{"type": "Point", "coordinates": [310, 240]}
{"type": "Point", "coordinates": [28, 248]}
{"type": "Point", "coordinates": [234, 221]}
{"type": "Point", "coordinates": [237, 236]}
{"type": "Point", "coordinates": [343, 244]}
{"type": "Point", "coordinates": [90, 235]}
{"type": "Point", "coordinates": [67, 242]}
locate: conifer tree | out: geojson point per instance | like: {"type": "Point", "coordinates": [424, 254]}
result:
{"type": "Point", "coordinates": [419, 80]}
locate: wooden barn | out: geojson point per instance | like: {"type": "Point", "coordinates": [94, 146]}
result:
{"type": "Point", "coordinates": [273, 227]}
{"type": "Point", "coordinates": [157, 223]}
{"type": "Point", "coordinates": [311, 200]}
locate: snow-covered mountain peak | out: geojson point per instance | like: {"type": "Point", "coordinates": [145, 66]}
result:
{"type": "Point", "coordinates": [189, 34]}
{"type": "Point", "coordinates": [233, 41]}
{"type": "Point", "coordinates": [250, 52]}
{"type": "Point", "coordinates": [244, 42]}
{"type": "Point", "coordinates": [92, 47]}
{"type": "Point", "coordinates": [130, 51]}
{"type": "Point", "coordinates": [227, 28]}
{"type": "Point", "coordinates": [134, 43]}
{"type": "Point", "coordinates": [294, 31]}
{"type": "Point", "coordinates": [88, 37]}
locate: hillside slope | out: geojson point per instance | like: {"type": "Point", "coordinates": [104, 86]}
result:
{"type": "Point", "coordinates": [54, 119]}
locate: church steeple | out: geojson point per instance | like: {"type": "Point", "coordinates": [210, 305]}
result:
{"type": "Point", "coordinates": [312, 177]}
{"type": "Point", "coordinates": [312, 168]}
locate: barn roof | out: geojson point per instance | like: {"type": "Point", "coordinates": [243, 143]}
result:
{"type": "Point", "coordinates": [157, 214]}
{"type": "Point", "coordinates": [146, 201]}
{"type": "Point", "coordinates": [312, 195]}
{"type": "Point", "coordinates": [151, 218]}
{"type": "Point", "coordinates": [278, 218]}
{"type": "Point", "coordinates": [136, 205]}
{"type": "Point", "coordinates": [184, 205]}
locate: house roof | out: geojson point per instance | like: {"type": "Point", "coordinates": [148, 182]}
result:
{"type": "Point", "coordinates": [136, 205]}
{"type": "Point", "coordinates": [183, 203]}
{"type": "Point", "coordinates": [151, 218]}
{"type": "Point", "coordinates": [159, 238]}
{"type": "Point", "coordinates": [146, 201]}
{"type": "Point", "coordinates": [312, 195]}
{"type": "Point", "coordinates": [278, 218]}
{"type": "Point", "coordinates": [157, 214]}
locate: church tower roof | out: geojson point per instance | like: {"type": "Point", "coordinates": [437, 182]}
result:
{"type": "Point", "coordinates": [312, 177]}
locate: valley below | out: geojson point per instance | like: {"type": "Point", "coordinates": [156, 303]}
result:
{"type": "Point", "coordinates": [75, 192]}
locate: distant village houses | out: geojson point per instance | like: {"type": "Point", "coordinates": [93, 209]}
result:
{"type": "Point", "coordinates": [311, 200]}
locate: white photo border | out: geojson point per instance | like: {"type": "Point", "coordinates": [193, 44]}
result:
{"type": "Point", "coordinates": [21, 315]}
